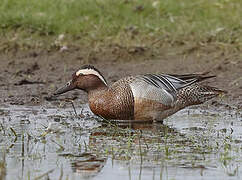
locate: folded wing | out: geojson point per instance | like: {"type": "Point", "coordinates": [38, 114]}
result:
{"type": "Point", "coordinates": [163, 87]}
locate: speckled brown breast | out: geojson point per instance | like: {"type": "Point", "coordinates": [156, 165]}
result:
{"type": "Point", "coordinates": [116, 102]}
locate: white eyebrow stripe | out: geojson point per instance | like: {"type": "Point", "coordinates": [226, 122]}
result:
{"type": "Point", "coordinates": [90, 71]}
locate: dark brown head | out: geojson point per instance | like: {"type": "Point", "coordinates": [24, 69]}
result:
{"type": "Point", "coordinates": [88, 78]}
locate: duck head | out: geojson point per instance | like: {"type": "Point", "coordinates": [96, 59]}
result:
{"type": "Point", "coordinates": [88, 78]}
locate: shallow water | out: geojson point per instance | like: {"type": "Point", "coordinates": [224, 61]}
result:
{"type": "Point", "coordinates": [50, 142]}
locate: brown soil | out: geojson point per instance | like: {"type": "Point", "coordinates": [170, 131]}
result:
{"type": "Point", "coordinates": [29, 76]}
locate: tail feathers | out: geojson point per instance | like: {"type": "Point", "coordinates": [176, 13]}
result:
{"type": "Point", "coordinates": [193, 77]}
{"type": "Point", "coordinates": [213, 90]}
{"type": "Point", "coordinates": [206, 93]}
{"type": "Point", "coordinates": [198, 94]}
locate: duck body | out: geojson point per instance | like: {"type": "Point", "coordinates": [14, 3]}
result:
{"type": "Point", "coordinates": [149, 97]}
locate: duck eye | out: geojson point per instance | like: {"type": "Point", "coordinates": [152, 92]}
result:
{"type": "Point", "coordinates": [80, 74]}
{"type": "Point", "coordinates": [68, 83]}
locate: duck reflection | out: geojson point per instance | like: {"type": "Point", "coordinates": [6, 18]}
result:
{"type": "Point", "coordinates": [133, 126]}
{"type": "Point", "coordinates": [106, 140]}
{"type": "Point", "coordinates": [88, 165]}
{"type": "Point", "coordinates": [154, 127]}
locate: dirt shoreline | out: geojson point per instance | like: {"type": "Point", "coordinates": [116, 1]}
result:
{"type": "Point", "coordinates": [27, 77]}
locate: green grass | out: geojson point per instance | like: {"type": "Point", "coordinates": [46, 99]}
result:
{"type": "Point", "coordinates": [124, 21]}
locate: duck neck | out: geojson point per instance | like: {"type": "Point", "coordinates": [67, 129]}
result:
{"type": "Point", "coordinates": [98, 88]}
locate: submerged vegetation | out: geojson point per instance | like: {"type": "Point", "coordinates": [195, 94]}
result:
{"type": "Point", "coordinates": [124, 23]}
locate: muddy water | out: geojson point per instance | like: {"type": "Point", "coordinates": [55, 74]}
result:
{"type": "Point", "coordinates": [51, 142]}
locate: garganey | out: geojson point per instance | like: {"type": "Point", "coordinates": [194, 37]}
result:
{"type": "Point", "coordinates": [149, 97]}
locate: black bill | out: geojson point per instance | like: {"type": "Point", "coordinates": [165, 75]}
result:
{"type": "Point", "coordinates": [67, 87]}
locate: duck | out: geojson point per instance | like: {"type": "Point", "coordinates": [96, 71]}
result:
{"type": "Point", "coordinates": [146, 97]}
